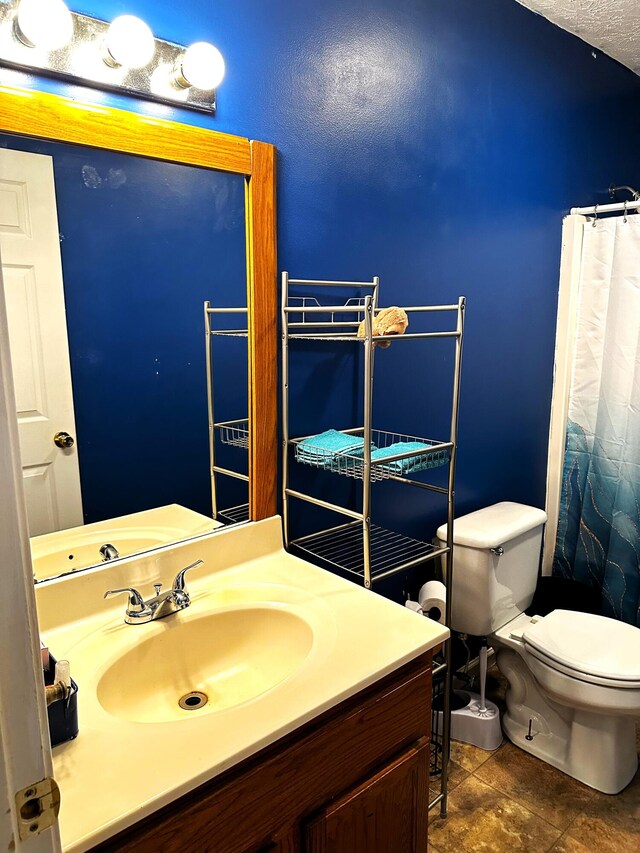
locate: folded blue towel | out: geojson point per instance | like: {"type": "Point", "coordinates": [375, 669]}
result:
{"type": "Point", "coordinates": [409, 463]}
{"type": "Point", "coordinates": [332, 450]}
{"type": "Point", "coordinates": [328, 444]}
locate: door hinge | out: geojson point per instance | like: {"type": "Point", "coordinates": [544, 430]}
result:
{"type": "Point", "coordinates": [37, 807]}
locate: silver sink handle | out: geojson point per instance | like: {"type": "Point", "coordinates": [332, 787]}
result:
{"type": "Point", "coordinates": [135, 599]}
{"type": "Point", "coordinates": [178, 583]}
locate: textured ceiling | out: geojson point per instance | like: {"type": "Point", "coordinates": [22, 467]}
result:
{"type": "Point", "coordinates": [613, 26]}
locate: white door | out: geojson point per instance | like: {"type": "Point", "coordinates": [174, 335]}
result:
{"type": "Point", "coordinates": [32, 274]}
{"type": "Point", "coordinates": [25, 754]}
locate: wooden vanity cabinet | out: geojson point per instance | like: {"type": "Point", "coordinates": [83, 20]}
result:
{"type": "Point", "coordinates": [354, 780]}
{"type": "Point", "coordinates": [385, 813]}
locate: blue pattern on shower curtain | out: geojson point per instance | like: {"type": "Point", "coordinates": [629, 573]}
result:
{"type": "Point", "coordinates": [598, 540]}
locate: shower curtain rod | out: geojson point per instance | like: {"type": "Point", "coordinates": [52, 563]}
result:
{"type": "Point", "coordinates": [616, 207]}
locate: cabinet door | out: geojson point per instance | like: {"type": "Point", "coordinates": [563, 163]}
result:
{"type": "Point", "coordinates": [386, 814]}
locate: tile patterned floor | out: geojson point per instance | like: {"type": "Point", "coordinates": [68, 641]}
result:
{"type": "Point", "coordinates": [507, 801]}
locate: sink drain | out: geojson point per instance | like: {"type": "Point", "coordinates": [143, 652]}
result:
{"type": "Point", "coordinates": [193, 700]}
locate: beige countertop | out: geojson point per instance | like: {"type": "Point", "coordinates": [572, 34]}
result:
{"type": "Point", "coordinates": [119, 770]}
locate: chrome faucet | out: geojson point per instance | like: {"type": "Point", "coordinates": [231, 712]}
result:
{"type": "Point", "coordinates": [162, 604]}
{"type": "Point", "coordinates": [109, 552]}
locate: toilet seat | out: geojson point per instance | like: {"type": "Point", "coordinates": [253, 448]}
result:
{"type": "Point", "coordinates": [591, 648]}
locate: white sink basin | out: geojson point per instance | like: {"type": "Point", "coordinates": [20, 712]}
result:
{"type": "Point", "coordinates": [231, 657]}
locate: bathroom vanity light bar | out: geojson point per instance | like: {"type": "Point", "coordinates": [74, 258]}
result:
{"type": "Point", "coordinates": [121, 56]}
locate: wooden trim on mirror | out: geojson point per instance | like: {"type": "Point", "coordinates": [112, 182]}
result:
{"type": "Point", "coordinates": [263, 354]}
{"type": "Point", "coordinates": [31, 113]}
{"type": "Point", "coordinates": [26, 112]}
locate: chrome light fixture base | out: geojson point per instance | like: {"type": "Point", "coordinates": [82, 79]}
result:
{"type": "Point", "coordinates": [82, 61]}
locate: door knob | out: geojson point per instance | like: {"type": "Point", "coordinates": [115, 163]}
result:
{"type": "Point", "coordinates": [63, 440]}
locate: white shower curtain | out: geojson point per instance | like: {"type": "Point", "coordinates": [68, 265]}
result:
{"type": "Point", "coordinates": [598, 538]}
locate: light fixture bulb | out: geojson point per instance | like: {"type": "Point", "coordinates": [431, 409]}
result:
{"type": "Point", "coordinates": [202, 66]}
{"type": "Point", "coordinates": [45, 24]}
{"type": "Point", "coordinates": [129, 43]}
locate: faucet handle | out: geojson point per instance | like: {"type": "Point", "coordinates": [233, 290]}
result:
{"type": "Point", "coordinates": [178, 583]}
{"type": "Point", "coordinates": [135, 599]}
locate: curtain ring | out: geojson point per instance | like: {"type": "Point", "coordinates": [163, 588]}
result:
{"type": "Point", "coordinates": [595, 216]}
{"type": "Point", "coordinates": [624, 218]}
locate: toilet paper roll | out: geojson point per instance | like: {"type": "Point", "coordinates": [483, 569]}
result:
{"type": "Point", "coordinates": [433, 600]}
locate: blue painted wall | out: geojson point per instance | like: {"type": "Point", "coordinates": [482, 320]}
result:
{"type": "Point", "coordinates": [436, 143]}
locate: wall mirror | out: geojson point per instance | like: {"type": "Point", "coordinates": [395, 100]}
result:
{"type": "Point", "coordinates": [140, 282]}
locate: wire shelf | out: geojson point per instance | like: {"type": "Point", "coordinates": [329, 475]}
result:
{"type": "Point", "coordinates": [310, 311]}
{"type": "Point", "coordinates": [234, 433]}
{"type": "Point", "coordinates": [345, 318]}
{"type": "Point", "coordinates": [228, 333]}
{"type": "Point", "coordinates": [309, 319]}
{"type": "Point", "coordinates": [342, 548]}
{"type": "Point", "coordinates": [404, 460]}
{"type": "Point", "coordinates": [235, 514]}
{"type": "Point", "coordinates": [377, 339]}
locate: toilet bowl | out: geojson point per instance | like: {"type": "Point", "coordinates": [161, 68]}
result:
{"type": "Point", "coordinates": [573, 717]}
{"type": "Point", "coordinates": [573, 678]}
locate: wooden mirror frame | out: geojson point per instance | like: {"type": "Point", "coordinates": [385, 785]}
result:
{"type": "Point", "coordinates": [26, 112]}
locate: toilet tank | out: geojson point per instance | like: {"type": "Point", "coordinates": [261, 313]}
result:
{"type": "Point", "coordinates": [491, 588]}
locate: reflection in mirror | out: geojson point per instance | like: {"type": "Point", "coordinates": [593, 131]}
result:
{"type": "Point", "coordinates": [107, 262]}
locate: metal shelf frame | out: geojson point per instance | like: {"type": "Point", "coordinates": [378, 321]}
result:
{"type": "Point", "coordinates": [235, 514]}
{"type": "Point", "coordinates": [359, 547]}
{"type": "Point", "coordinates": [234, 433]}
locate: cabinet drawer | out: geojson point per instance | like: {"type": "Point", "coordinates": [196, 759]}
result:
{"type": "Point", "coordinates": [386, 813]}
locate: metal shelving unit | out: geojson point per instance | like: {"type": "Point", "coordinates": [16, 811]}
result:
{"type": "Point", "coordinates": [232, 433]}
{"type": "Point", "coordinates": [360, 548]}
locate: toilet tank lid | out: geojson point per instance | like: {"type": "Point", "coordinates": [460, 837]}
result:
{"type": "Point", "coordinates": [494, 525]}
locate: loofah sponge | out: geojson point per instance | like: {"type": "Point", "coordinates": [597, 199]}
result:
{"type": "Point", "coordinates": [388, 321]}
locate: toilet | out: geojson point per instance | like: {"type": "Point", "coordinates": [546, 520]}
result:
{"type": "Point", "coordinates": [574, 678]}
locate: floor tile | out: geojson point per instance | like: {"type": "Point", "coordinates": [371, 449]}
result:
{"type": "Point", "coordinates": [570, 845]}
{"type": "Point", "coordinates": [610, 824]}
{"type": "Point", "coordinates": [457, 774]}
{"type": "Point", "coordinates": [540, 788]}
{"type": "Point", "coordinates": [467, 756]}
{"type": "Point", "coordinates": [484, 820]}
